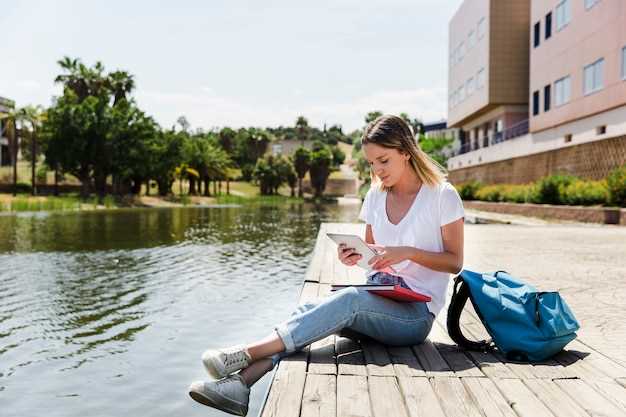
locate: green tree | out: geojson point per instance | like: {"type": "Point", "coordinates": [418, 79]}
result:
{"type": "Point", "coordinates": [267, 174]}
{"type": "Point", "coordinates": [435, 148]}
{"type": "Point", "coordinates": [302, 127]}
{"type": "Point", "coordinates": [320, 169]}
{"type": "Point", "coordinates": [32, 118]}
{"type": "Point", "coordinates": [302, 163]}
{"type": "Point", "coordinates": [373, 115]}
{"type": "Point", "coordinates": [9, 130]}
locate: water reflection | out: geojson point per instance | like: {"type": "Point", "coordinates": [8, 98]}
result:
{"type": "Point", "coordinates": [107, 312]}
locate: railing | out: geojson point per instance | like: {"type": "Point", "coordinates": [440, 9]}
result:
{"type": "Point", "coordinates": [517, 130]}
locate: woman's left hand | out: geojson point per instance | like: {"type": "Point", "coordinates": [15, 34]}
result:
{"type": "Point", "coordinates": [388, 256]}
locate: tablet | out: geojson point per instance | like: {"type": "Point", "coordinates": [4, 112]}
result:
{"type": "Point", "coordinates": [359, 245]}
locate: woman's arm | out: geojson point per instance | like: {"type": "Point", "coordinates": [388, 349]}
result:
{"type": "Point", "coordinates": [369, 236]}
{"type": "Point", "coordinates": [450, 260]}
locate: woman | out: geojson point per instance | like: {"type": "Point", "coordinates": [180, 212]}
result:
{"type": "Point", "coordinates": [415, 218]}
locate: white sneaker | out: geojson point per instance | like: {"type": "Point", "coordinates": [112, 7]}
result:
{"type": "Point", "coordinates": [223, 362]}
{"type": "Point", "coordinates": [229, 394]}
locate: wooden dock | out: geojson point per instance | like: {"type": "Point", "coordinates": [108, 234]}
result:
{"type": "Point", "coordinates": [342, 377]}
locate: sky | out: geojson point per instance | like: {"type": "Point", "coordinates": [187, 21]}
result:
{"type": "Point", "coordinates": [240, 63]}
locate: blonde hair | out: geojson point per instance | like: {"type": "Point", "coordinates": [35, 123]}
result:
{"type": "Point", "coordinates": [393, 132]}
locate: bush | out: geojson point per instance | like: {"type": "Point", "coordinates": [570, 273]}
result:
{"type": "Point", "coordinates": [616, 185]}
{"type": "Point", "coordinates": [24, 188]}
{"type": "Point", "coordinates": [585, 193]}
{"type": "Point", "coordinates": [518, 193]}
{"type": "Point", "coordinates": [468, 190]}
{"type": "Point", "coordinates": [490, 193]}
{"type": "Point", "coordinates": [550, 189]}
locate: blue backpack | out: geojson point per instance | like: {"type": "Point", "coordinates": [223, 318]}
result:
{"type": "Point", "coordinates": [525, 325]}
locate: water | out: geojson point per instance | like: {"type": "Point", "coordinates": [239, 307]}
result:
{"type": "Point", "coordinates": [107, 313]}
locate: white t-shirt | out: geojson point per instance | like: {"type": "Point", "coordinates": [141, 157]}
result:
{"type": "Point", "coordinates": [433, 207]}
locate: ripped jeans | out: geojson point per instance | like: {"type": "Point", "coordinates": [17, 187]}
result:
{"type": "Point", "coordinates": [384, 320]}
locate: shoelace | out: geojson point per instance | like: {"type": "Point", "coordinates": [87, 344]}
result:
{"type": "Point", "coordinates": [236, 358]}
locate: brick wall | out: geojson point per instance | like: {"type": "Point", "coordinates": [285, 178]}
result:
{"type": "Point", "coordinates": [593, 160]}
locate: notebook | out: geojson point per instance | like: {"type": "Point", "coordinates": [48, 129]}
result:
{"type": "Point", "coordinates": [395, 292]}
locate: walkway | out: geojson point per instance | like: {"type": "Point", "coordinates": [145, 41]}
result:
{"type": "Point", "coordinates": [341, 377]}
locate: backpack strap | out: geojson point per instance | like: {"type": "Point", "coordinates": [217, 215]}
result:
{"type": "Point", "coordinates": [460, 295]}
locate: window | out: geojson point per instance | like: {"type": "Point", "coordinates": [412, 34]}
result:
{"type": "Point", "coordinates": [469, 86]}
{"type": "Point", "coordinates": [563, 14]}
{"type": "Point", "coordinates": [535, 103]}
{"type": "Point", "coordinates": [601, 130]}
{"type": "Point", "coordinates": [537, 34]}
{"type": "Point", "coordinates": [462, 93]}
{"type": "Point", "coordinates": [624, 63]}
{"type": "Point", "coordinates": [461, 51]}
{"type": "Point", "coordinates": [590, 3]}
{"type": "Point", "coordinates": [562, 91]}
{"type": "Point", "coordinates": [568, 137]}
{"type": "Point", "coordinates": [470, 40]}
{"type": "Point", "coordinates": [548, 25]}
{"type": "Point", "coordinates": [593, 77]}
{"type": "Point", "coordinates": [480, 30]}
{"type": "Point", "coordinates": [546, 97]}
{"type": "Point", "coordinates": [480, 78]}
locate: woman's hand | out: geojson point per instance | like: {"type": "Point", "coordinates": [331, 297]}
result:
{"type": "Point", "coordinates": [388, 256]}
{"type": "Point", "coordinates": [347, 256]}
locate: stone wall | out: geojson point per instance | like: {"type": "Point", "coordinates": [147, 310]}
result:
{"type": "Point", "coordinates": [593, 160]}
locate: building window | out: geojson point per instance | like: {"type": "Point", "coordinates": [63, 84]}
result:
{"type": "Point", "coordinates": [480, 78]}
{"type": "Point", "coordinates": [593, 77]}
{"type": "Point", "coordinates": [562, 91]}
{"type": "Point", "coordinates": [548, 25]}
{"type": "Point", "coordinates": [461, 51]}
{"type": "Point", "coordinates": [470, 40]}
{"type": "Point", "coordinates": [568, 138]}
{"type": "Point", "coordinates": [535, 103]}
{"type": "Point", "coordinates": [480, 30]}
{"type": "Point", "coordinates": [590, 3]}
{"type": "Point", "coordinates": [624, 63]}
{"type": "Point", "coordinates": [601, 130]}
{"type": "Point", "coordinates": [563, 14]}
{"type": "Point", "coordinates": [546, 97]}
{"type": "Point", "coordinates": [537, 34]}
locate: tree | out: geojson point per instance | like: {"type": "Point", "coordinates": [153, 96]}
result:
{"type": "Point", "coordinates": [302, 163]}
{"type": "Point", "coordinates": [415, 124]}
{"type": "Point", "coordinates": [32, 118]}
{"type": "Point", "coordinates": [267, 174]}
{"type": "Point", "coordinates": [338, 156]}
{"type": "Point", "coordinates": [10, 132]}
{"type": "Point", "coordinates": [302, 127]}
{"type": "Point", "coordinates": [435, 147]}
{"type": "Point", "coordinates": [320, 169]}
{"type": "Point", "coordinates": [373, 115]}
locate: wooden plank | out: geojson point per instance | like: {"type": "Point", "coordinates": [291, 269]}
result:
{"type": "Point", "coordinates": [522, 400]}
{"type": "Point", "coordinates": [377, 359]}
{"type": "Point", "coordinates": [454, 398]}
{"type": "Point", "coordinates": [431, 360]}
{"type": "Point", "coordinates": [555, 398]}
{"type": "Point", "coordinates": [329, 249]}
{"type": "Point", "coordinates": [455, 357]}
{"type": "Point", "coordinates": [551, 369]}
{"type": "Point", "coordinates": [597, 360]}
{"type": "Point", "coordinates": [285, 396]}
{"type": "Point", "coordinates": [320, 396]}
{"type": "Point", "coordinates": [313, 271]}
{"type": "Point", "coordinates": [309, 292]}
{"type": "Point", "coordinates": [621, 381]}
{"type": "Point", "coordinates": [322, 357]}
{"type": "Point", "coordinates": [588, 398]}
{"type": "Point", "coordinates": [491, 366]}
{"type": "Point", "coordinates": [386, 398]}
{"type": "Point", "coordinates": [488, 398]}
{"type": "Point", "coordinates": [350, 360]}
{"type": "Point", "coordinates": [615, 392]}
{"type": "Point", "coordinates": [579, 367]}
{"type": "Point", "coordinates": [404, 362]}
{"type": "Point", "coordinates": [420, 398]}
{"type": "Point", "coordinates": [352, 396]}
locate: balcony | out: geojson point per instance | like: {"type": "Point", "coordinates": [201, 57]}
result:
{"type": "Point", "coordinates": [515, 131]}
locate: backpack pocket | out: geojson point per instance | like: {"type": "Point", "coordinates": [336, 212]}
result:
{"type": "Point", "coordinates": [553, 316]}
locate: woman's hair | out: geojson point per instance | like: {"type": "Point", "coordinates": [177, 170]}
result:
{"type": "Point", "coordinates": [394, 133]}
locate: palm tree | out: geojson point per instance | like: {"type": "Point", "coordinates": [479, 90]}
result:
{"type": "Point", "coordinates": [10, 132]}
{"type": "Point", "coordinates": [121, 84]}
{"type": "Point", "coordinates": [34, 116]}
{"type": "Point", "coordinates": [302, 126]}
{"type": "Point", "coordinates": [302, 163]}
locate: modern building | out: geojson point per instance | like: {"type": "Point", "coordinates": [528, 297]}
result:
{"type": "Point", "coordinates": [6, 105]}
{"type": "Point", "coordinates": [287, 147]}
{"type": "Point", "coordinates": [576, 97]}
{"type": "Point", "coordinates": [488, 71]}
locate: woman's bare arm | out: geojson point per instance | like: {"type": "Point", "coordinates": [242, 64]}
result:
{"type": "Point", "coordinates": [451, 259]}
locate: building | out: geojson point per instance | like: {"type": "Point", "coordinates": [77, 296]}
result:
{"type": "Point", "coordinates": [576, 97]}
{"type": "Point", "coordinates": [488, 71]}
{"type": "Point", "coordinates": [6, 106]}
{"type": "Point", "coordinates": [287, 147]}
{"type": "Point", "coordinates": [440, 129]}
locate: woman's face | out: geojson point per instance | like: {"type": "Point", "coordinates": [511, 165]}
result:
{"type": "Point", "coordinates": [387, 164]}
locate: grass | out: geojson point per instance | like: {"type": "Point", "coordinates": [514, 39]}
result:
{"type": "Point", "coordinates": [23, 203]}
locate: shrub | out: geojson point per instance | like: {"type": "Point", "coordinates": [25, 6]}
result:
{"type": "Point", "coordinates": [616, 185]}
{"type": "Point", "coordinates": [490, 193]}
{"type": "Point", "coordinates": [468, 190]}
{"type": "Point", "coordinates": [585, 193]}
{"type": "Point", "coordinates": [518, 193]}
{"type": "Point", "coordinates": [550, 188]}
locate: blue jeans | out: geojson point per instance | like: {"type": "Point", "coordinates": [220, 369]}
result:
{"type": "Point", "coordinates": [384, 320]}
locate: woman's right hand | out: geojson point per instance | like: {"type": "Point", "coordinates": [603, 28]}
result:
{"type": "Point", "coordinates": [347, 256]}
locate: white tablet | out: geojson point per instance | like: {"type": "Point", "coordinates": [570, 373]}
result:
{"type": "Point", "coordinates": [359, 246]}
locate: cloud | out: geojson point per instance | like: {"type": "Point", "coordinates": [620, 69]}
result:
{"type": "Point", "coordinates": [207, 109]}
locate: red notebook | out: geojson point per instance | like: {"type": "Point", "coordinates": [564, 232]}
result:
{"type": "Point", "coordinates": [395, 292]}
